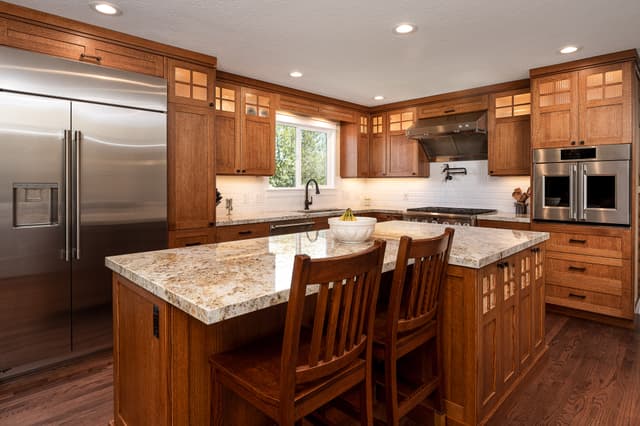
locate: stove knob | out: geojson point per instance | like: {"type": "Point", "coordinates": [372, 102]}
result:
{"type": "Point", "coordinates": [465, 224]}
{"type": "Point", "coordinates": [457, 224]}
{"type": "Point", "coordinates": [445, 223]}
{"type": "Point", "coordinates": [434, 221]}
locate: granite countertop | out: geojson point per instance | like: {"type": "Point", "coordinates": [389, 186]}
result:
{"type": "Point", "coordinates": [215, 282]}
{"type": "Point", "coordinates": [289, 215]}
{"type": "Point", "coordinates": [506, 217]}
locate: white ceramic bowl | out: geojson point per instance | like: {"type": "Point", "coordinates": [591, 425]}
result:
{"type": "Point", "coordinates": [352, 231]}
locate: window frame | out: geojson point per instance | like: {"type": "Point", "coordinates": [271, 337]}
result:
{"type": "Point", "coordinates": [314, 125]}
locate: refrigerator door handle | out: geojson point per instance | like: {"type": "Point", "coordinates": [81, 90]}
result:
{"type": "Point", "coordinates": [67, 195]}
{"type": "Point", "coordinates": [77, 137]}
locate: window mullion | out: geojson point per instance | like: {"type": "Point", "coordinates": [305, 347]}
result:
{"type": "Point", "coordinates": [299, 182]}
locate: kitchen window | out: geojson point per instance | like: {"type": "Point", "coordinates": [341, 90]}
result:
{"type": "Point", "coordinates": [305, 149]}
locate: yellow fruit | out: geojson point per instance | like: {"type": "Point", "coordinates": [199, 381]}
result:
{"type": "Point", "coordinates": [348, 216]}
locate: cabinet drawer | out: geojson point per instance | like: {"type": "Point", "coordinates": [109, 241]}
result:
{"type": "Point", "coordinates": [593, 245]}
{"type": "Point", "coordinates": [457, 106]}
{"type": "Point", "coordinates": [241, 232]}
{"type": "Point", "coordinates": [503, 224]}
{"type": "Point", "coordinates": [124, 58]}
{"type": "Point", "coordinates": [601, 303]}
{"type": "Point", "coordinates": [603, 275]}
{"type": "Point", "coordinates": [43, 40]}
{"type": "Point", "coordinates": [192, 237]}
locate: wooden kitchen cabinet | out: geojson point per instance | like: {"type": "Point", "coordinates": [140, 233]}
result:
{"type": "Point", "coordinates": [509, 133]}
{"type": "Point", "coordinates": [141, 355]}
{"type": "Point", "coordinates": [245, 131]}
{"type": "Point", "coordinates": [242, 232]}
{"type": "Point", "coordinates": [454, 106]}
{"type": "Point", "coordinates": [191, 159]}
{"type": "Point", "coordinates": [192, 237]}
{"type": "Point", "coordinates": [512, 322]}
{"type": "Point", "coordinates": [590, 106]}
{"type": "Point", "coordinates": [391, 152]}
{"type": "Point", "coordinates": [67, 45]}
{"type": "Point", "coordinates": [354, 148]}
{"type": "Point", "coordinates": [590, 269]}
{"type": "Point", "coordinates": [190, 84]}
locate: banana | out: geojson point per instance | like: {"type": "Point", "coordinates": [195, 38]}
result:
{"type": "Point", "coordinates": [348, 216]}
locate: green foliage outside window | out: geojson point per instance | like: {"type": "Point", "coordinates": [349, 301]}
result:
{"type": "Point", "coordinates": [310, 153]}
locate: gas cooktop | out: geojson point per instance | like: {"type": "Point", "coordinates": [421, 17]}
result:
{"type": "Point", "coordinates": [451, 210]}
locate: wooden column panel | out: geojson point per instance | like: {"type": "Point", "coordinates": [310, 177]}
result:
{"type": "Point", "coordinates": [191, 155]}
{"type": "Point", "coordinates": [490, 305]}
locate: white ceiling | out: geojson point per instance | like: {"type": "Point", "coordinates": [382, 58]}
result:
{"type": "Point", "coordinates": [346, 48]}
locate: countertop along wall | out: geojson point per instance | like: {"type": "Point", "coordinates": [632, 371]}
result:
{"type": "Point", "coordinates": [476, 189]}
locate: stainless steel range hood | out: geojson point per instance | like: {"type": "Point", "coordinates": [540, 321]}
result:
{"type": "Point", "coordinates": [453, 137]}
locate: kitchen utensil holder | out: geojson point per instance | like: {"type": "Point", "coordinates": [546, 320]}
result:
{"type": "Point", "coordinates": [521, 208]}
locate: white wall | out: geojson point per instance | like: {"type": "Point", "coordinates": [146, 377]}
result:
{"type": "Point", "coordinates": [476, 189]}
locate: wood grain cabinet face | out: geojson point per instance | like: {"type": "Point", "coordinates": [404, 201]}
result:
{"type": "Point", "coordinates": [490, 319]}
{"type": "Point", "coordinates": [245, 134]}
{"type": "Point", "coordinates": [456, 106]}
{"type": "Point", "coordinates": [39, 39]}
{"type": "Point", "coordinates": [592, 106]}
{"type": "Point", "coordinates": [190, 84]}
{"type": "Point", "coordinates": [354, 148]}
{"type": "Point", "coordinates": [510, 133]}
{"type": "Point", "coordinates": [191, 155]}
{"type": "Point", "coordinates": [391, 153]}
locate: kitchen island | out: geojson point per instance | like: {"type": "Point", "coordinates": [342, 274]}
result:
{"type": "Point", "coordinates": [174, 308]}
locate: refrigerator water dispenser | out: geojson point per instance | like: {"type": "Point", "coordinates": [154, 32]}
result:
{"type": "Point", "coordinates": [35, 204]}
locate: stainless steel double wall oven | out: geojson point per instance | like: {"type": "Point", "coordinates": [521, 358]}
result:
{"type": "Point", "coordinates": [586, 184]}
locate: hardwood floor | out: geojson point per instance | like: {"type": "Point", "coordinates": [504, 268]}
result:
{"type": "Point", "coordinates": [590, 376]}
{"type": "Point", "coordinates": [80, 393]}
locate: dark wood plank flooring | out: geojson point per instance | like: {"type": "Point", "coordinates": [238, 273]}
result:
{"type": "Point", "coordinates": [590, 376]}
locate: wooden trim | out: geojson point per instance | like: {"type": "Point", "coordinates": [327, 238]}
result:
{"type": "Point", "coordinates": [227, 77]}
{"type": "Point", "coordinates": [59, 23]}
{"type": "Point", "coordinates": [610, 58]}
{"type": "Point", "coordinates": [500, 87]}
{"type": "Point", "coordinates": [591, 316]}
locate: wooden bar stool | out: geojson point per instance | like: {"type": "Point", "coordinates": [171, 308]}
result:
{"type": "Point", "coordinates": [287, 377]}
{"type": "Point", "coordinates": [411, 321]}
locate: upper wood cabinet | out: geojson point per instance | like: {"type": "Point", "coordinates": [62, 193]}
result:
{"type": "Point", "coordinates": [591, 106]}
{"type": "Point", "coordinates": [454, 106]}
{"type": "Point", "coordinates": [354, 148]}
{"type": "Point", "coordinates": [40, 39]}
{"type": "Point", "coordinates": [509, 129]}
{"type": "Point", "coordinates": [245, 131]}
{"type": "Point", "coordinates": [309, 108]}
{"type": "Point", "coordinates": [190, 84]}
{"type": "Point", "coordinates": [402, 157]}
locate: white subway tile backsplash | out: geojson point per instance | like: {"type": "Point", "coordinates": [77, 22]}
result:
{"type": "Point", "coordinates": [476, 189]}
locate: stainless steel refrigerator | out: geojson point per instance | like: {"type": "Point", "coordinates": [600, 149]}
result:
{"type": "Point", "coordinates": [82, 176]}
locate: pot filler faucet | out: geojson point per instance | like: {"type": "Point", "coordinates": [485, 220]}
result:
{"type": "Point", "coordinates": [309, 200]}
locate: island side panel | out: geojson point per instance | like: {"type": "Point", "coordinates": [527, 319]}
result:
{"type": "Point", "coordinates": [459, 339]}
{"type": "Point", "coordinates": [140, 355]}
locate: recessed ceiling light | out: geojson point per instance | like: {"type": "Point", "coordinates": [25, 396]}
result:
{"type": "Point", "coordinates": [405, 29]}
{"type": "Point", "coordinates": [105, 8]}
{"type": "Point", "coordinates": [569, 49]}
{"type": "Point", "coordinates": [295, 74]}
{"type": "Point", "coordinates": [378, 97]}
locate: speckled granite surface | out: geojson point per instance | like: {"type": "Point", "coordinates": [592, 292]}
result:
{"type": "Point", "coordinates": [219, 281]}
{"type": "Point", "coordinates": [288, 215]}
{"type": "Point", "coordinates": [506, 217]}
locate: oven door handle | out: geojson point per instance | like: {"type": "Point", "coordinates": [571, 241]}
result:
{"type": "Point", "coordinates": [583, 195]}
{"type": "Point", "coordinates": [573, 204]}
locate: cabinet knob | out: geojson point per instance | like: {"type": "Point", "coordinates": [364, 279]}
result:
{"type": "Point", "coordinates": [244, 171]}
{"type": "Point", "coordinates": [211, 104]}
{"type": "Point", "coordinates": [490, 172]}
{"type": "Point", "coordinates": [573, 142]}
{"type": "Point", "coordinates": [581, 142]}
{"type": "Point", "coordinates": [413, 173]}
{"type": "Point", "coordinates": [237, 170]}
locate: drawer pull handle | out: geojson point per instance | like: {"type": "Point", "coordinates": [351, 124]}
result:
{"type": "Point", "coordinates": [577, 268]}
{"type": "Point", "coordinates": [448, 111]}
{"type": "Point", "coordinates": [535, 250]}
{"type": "Point", "coordinates": [192, 244]}
{"type": "Point", "coordinates": [574, 241]}
{"type": "Point", "coordinates": [577, 296]}
{"type": "Point", "coordinates": [245, 232]}
{"type": "Point", "coordinates": [85, 56]}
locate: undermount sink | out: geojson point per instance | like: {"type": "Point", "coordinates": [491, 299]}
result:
{"type": "Point", "coordinates": [320, 211]}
